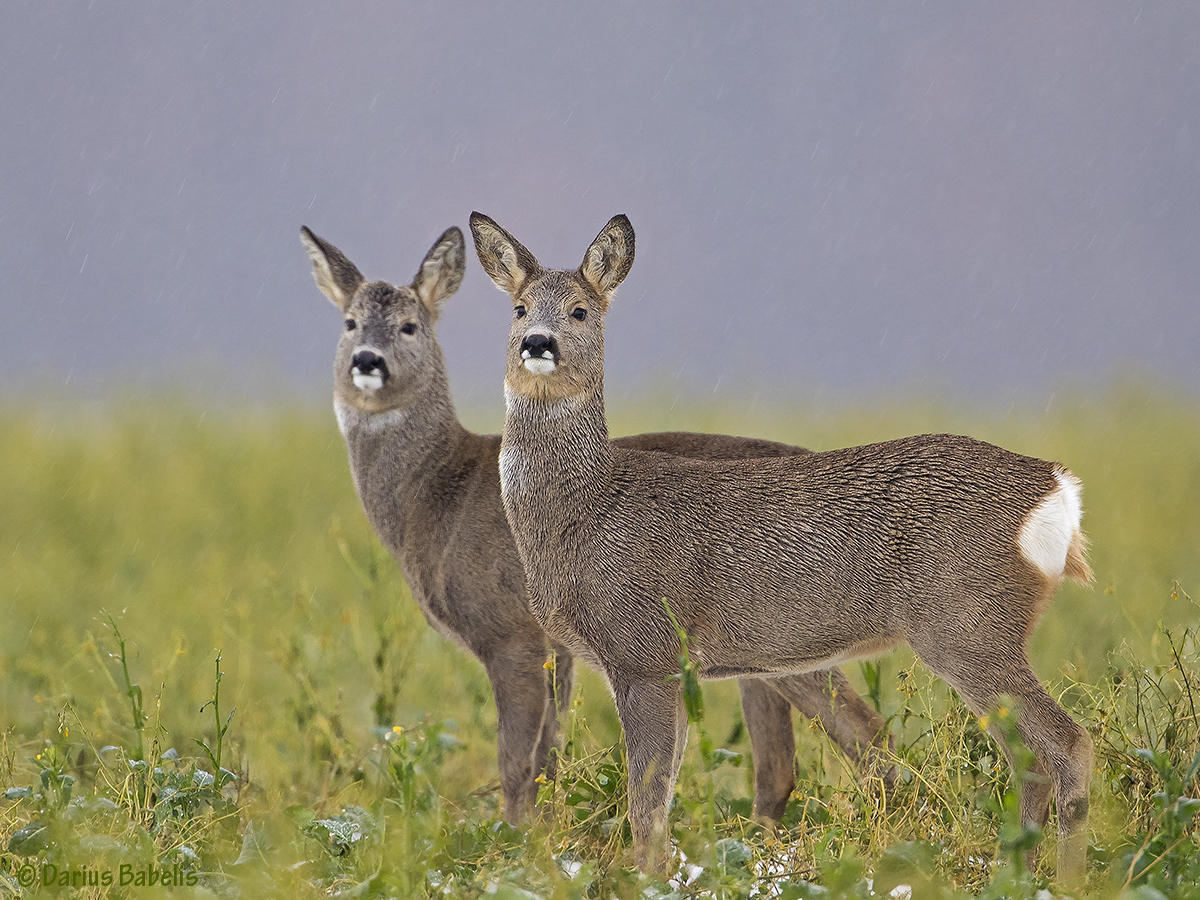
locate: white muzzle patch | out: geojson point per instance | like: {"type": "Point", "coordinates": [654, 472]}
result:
{"type": "Point", "coordinates": [542, 365]}
{"type": "Point", "coordinates": [369, 383]}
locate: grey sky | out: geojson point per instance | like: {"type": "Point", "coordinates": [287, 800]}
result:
{"type": "Point", "coordinates": [987, 200]}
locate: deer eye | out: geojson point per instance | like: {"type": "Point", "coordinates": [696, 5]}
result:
{"type": "Point", "coordinates": [351, 325]}
{"type": "Point", "coordinates": [520, 312]}
{"type": "Point", "coordinates": [579, 313]}
{"type": "Point", "coordinates": [408, 328]}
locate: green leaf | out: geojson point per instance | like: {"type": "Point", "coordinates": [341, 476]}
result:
{"type": "Point", "coordinates": [1186, 807]}
{"type": "Point", "coordinates": [912, 863]}
{"type": "Point", "coordinates": [30, 840]}
{"type": "Point", "coordinates": [254, 846]}
{"type": "Point", "coordinates": [1193, 769]}
{"type": "Point", "coordinates": [801, 890]}
{"type": "Point", "coordinates": [1143, 892]}
{"type": "Point", "coordinates": [302, 816]}
{"type": "Point", "coordinates": [732, 854]}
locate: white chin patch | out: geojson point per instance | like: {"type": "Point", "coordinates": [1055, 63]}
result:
{"type": "Point", "coordinates": [540, 366]}
{"type": "Point", "coordinates": [369, 383]}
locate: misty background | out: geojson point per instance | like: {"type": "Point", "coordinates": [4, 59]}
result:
{"type": "Point", "coordinates": [987, 202]}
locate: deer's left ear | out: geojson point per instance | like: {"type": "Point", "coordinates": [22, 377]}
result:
{"type": "Point", "coordinates": [441, 272]}
{"type": "Point", "coordinates": [609, 258]}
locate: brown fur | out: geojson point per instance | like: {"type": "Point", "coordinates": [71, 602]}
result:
{"type": "Point", "coordinates": [431, 490]}
{"type": "Point", "coordinates": [772, 566]}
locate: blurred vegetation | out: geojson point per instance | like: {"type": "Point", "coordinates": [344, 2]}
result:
{"type": "Point", "coordinates": [210, 666]}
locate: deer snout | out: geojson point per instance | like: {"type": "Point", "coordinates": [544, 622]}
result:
{"type": "Point", "coordinates": [369, 370]}
{"type": "Point", "coordinates": [540, 353]}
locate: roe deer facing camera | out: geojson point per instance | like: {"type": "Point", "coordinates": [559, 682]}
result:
{"type": "Point", "coordinates": [431, 490]}
{"type": "Point", "coordinates": [771, 566]}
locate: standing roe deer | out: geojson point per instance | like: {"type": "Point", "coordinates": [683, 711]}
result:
{"type": "Point", "coordinates": [431, 491]}
{"type": "Point", "coordinates": [771, 566]}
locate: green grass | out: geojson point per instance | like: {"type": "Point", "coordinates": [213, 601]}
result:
{"type": "Point", "coordinates": [361, 746]}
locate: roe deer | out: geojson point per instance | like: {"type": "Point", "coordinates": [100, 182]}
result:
{"type": "Point", "coordinates": [431, 491]}
{"type": "Point", "coordinates": [771, 566]}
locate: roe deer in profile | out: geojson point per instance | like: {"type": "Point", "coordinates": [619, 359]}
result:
{"type": "Point", "coordinates": [771, 566]}
{"type": "Point", "coordinates": [431, 491]}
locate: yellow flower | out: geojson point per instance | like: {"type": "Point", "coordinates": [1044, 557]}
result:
{"type": "Point", "coordinates": [1002, 712]}
{"type": "Point", "coordinates": [541, 779]}
{"type": "Point", "coordinates": [549, 664]}
{"type": "Point", "coordinates": [983, 723]}
{"type": "Point", "coordinates": [396, 729]}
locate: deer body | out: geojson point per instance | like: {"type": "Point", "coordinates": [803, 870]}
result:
{"type": "Point", "coordinates": [785, 566]}
{"type": "Point", "coordinates": [772, 566]}
{"type": "Point", "coordinates": [431, 491]}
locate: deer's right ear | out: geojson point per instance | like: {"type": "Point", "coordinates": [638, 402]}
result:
{"type": "Point", "coordinates": [506, 262]}
{"type": "Point", "coordinates": [336, 276]}
{"type": "Point", "coordinates": [610, 257]}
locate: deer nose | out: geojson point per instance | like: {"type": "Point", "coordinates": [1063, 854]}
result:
{"type": "Point", "coordinates": [539, 346]}
{"type": "Point", "coordinates": [365, 362]}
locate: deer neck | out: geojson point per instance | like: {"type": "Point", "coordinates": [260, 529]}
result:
{"type": "Point", "coordinates": [555, 461]}
{"type": "Point", "coordinates": [396, 456]}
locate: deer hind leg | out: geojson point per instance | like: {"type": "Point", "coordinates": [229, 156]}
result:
{"type": "Point", "coordinates": [559, 683]}
{"type": "Point", "coordinates": [1061, 746]}
{"type": "Point", "coordinates": [655, 725]}
{"type": "Point", "coordinates": [827, 697]}
{"type": "Point", "coordinates": [519, 684]}
{"type": "Point", "coordinates": [768, 718]}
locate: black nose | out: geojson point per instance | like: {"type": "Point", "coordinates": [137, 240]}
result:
{"type": "Point", "coordinates": [537, 345]}
{"type": "Point", "coordinates": [364, 362]}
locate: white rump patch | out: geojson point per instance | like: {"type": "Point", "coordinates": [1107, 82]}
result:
{"type": "Point", "coordinates": [540, 366]}
{"type": "Point", "coordinates": [1046, 534]}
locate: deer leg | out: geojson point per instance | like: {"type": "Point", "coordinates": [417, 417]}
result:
{"type": "Point", "coordinates": [655, 724]}
{"type": "Point", "coordinates": [1064, 751]}
{"type": "Point", "coordinates": [827, 697]}
{"type": "Point", "coordinates": [519, 684]}
{"type": "Point", "coordinates": [1036, 786]}
{"type": "Point", "coordinates": [1061, 746]}
{"type": "Point", "coordinates": [558, 700]}
{"type": "Point", "coordinates": [768, 718]}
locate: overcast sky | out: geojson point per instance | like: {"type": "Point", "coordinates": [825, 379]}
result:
{"type": "Point", "coordinates": [985, 200]}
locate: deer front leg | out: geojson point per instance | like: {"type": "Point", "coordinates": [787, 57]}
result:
{"type": "Point", "coordinates": [655, 724]}
{"type": "Point", "coordinates": [520, 685]}
{"type": "Point", "coordinates": [768, 718]}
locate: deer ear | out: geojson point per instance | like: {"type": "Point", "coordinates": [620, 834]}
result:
{"type": "Point", "coordinates": [506, 262]}
{"type": "Point", "coordinates": [336, 276]}
{"type": "Point", "coordinates": [610, 257]}
{"type": "Point", "coordinates": [441, 272]}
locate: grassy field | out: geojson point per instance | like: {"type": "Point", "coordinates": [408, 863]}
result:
{"type": "Point", "coordinates": [146, 546]}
